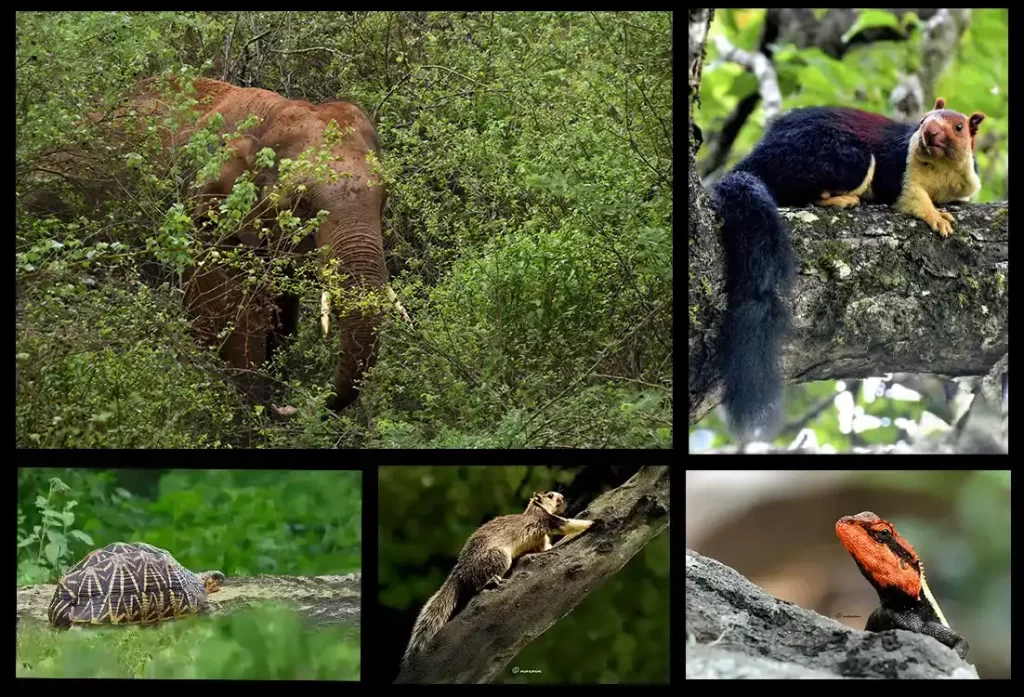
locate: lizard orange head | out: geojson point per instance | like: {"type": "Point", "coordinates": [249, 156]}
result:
{"type": "Point", "coordinates": [885, 558]}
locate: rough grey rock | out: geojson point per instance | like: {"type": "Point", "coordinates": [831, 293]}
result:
{"type": "Point", "coordinates": [736, 630]}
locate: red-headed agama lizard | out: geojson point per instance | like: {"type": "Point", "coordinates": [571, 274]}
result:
{"type": "Point", "coordinates": [890, 564]}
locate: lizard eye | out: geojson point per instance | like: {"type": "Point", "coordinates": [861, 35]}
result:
{"type": "Point", "coordinates": [884, 535]}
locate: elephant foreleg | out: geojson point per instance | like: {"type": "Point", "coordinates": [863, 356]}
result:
{"type": "Point", "coordinates": [215, 301]}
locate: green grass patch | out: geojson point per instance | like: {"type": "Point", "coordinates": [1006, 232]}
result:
{"type": "Point", "coordinates": [258, 644]}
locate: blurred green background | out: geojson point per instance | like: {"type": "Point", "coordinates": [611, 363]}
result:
{"type": "Point", "coordinates": [864, 76]}
{"type": "Point", "coordinates": [618, 634]}
{"type": "Point", "coordinates": [243, 522]}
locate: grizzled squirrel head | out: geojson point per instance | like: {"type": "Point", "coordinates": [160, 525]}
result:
{"type": "Point", "coordinates": [550, 501]}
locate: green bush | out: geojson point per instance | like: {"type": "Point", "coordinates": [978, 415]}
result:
{"type": "Point", "coordinates": [508, 346]}
{"type": "Point", "coordinates": [115, 366]}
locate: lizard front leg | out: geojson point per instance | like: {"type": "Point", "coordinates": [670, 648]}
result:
{"type": "Point", "coordinates": [884, 618]}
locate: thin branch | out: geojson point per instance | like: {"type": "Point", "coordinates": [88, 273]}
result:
{"type": "Point", "coordinates": [287, 51]}
{"type": "Point", "coordinates": [373, 113]}
{"type": "Point", "coordinates": [761, 66]}
{"type": "Point", "coordinates": [247, 44]}
{"type": "Point", "coordinates": [641, 382]}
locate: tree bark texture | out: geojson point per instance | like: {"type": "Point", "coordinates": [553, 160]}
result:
{"type": "Point", "coordinates": [876, 292]}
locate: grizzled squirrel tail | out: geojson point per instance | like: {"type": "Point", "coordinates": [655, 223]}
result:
{"type": "Point", "coordinates": [433, 616]}
{"type": "Point", "coordinates": [759, 267]}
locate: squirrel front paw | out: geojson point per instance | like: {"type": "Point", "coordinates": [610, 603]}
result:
{"type": "Point", "coordinates": [939, 221]}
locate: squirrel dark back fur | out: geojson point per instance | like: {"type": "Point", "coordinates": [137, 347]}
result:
{"type": "Point", "coordinates": [832, 156]}
{"type": "Point", "coordinates": [805, 152]}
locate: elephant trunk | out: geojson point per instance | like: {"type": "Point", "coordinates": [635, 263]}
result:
{"type": "Point", "coordinates": [357, 245]}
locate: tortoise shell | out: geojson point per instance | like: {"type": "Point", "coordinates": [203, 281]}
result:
{"type": "Point", "coordinates": [130, 583]}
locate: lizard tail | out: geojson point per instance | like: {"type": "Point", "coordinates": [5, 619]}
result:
{"type": "Point", "coordinates": [433, 616]}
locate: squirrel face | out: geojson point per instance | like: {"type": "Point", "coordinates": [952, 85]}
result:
{"type": "Point", "coordinates": [550, 501]}
{"type": "Point", "coordinates": [945, 133]}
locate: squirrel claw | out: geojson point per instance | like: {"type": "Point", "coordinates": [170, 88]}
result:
{"type": "Point", "coordinates": [943, 228]}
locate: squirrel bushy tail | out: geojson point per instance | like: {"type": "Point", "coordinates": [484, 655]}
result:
{"type": "Point", "coordinates": [759, 266]}
{"type": "Point", "coordinates": [433, 616]}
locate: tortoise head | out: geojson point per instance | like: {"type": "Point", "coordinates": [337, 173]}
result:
{"type": "Point", "coordinates": [212, 580]}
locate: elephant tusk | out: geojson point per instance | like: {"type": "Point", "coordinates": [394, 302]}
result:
{"type": "Point", "coordinates": [285, 412]}
{"type": "Point", "coordinates": [325, 313]}
{"type": "Point", "coordinates": [398, 305]}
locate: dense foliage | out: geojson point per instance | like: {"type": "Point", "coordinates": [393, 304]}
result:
{"type": "Point", "coordinates": [528, 231]}
{"type": "Point", "coordinates": [619, 633]}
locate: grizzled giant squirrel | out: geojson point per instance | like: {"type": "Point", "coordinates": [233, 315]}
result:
{"type": "Point", "coordinates": [829, 156]}
{"type": "Point", "coordinates": [488, 554]}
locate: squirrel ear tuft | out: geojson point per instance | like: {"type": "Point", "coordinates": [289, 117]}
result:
{"type": "Point", "coordinates": [940, 103]}
{"type": "Point", "coordinates": [975, 120]}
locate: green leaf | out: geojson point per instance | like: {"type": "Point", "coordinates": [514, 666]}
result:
{"type": "Point", "coordinates": [79, 535]}
{"type": "Point", "coordinates": [103, 417]}
{"type": "Point", "coordinates": [52, 553]}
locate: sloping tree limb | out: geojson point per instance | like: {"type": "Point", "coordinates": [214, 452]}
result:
{"type": "Point", "coordinates": [479, 642]}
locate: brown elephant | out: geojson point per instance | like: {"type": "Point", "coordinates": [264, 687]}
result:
{"type": "Point", "coordinates": [352, 231]}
